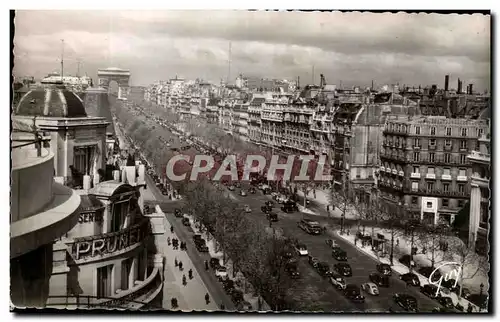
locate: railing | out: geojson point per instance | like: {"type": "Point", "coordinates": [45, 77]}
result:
{"type": "Point", "coordinates": [437, 192]}
{"type": "Point", "coordinates": [135, 298]}
{"type": "Point", "coordinates": [292, 109]}
{"type": "Point", "coordinates": [394, 132]}
{"type": "Point", "coordinates": [479, 155]}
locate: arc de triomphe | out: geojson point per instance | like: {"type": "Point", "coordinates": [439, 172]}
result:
{"type": "Point", "coordinates": [120, 76]}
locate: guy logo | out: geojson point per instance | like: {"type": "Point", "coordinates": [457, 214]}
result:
{"type": "Point", "coordinates": [455, 274]}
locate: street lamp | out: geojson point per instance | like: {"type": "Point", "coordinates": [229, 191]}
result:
{"type": "Point", "coordinates": [481, 289]}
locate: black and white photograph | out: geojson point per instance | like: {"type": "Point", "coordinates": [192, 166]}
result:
{"type": "Point", "coordinates": [251, 161]}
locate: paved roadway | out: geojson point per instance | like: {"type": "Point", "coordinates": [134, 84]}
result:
{"type": "Point", "coordinates": [312, 290]}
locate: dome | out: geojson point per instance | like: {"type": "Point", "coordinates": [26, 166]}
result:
{"type": "Point", "coordinates": [51, 102]}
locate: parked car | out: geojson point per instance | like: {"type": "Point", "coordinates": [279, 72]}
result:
{"type": "Point", "coordinates": [407, 261]}
{"type": "Point", "coordinates": [331, 243]}
{"type": "Point", "coordinates": [243, 193]}
{"type": "Point", "coordinates": [313, 261]}
{"type": "Point", "coordinates": [343, 269]}
{"type": "Point", "coordinates": [237, 296]}
{"type": "Point", "coordinates": [265, 209]}
{"type": "Point", "coordinates": [430, 290]}
{"type": "Point", "coordinates": [230, 188]}
{"type": "Point", "coordinates": [301, 249]}
{"type": "Point", "coordinates": [252, 190]}
{"type": "Point", "coordinates": [197, 238]}
{"type": "Point", "coordinates": [446, 302]}
{"type": "Point", "coordinates": [247, 209]}
{"type": "Point", "coordinates": [269, 203]}
{"type": "Point", "coordinates": [379, 280]}
{"type": "Point", "coordinates": [214, 262]}
{"type": "Point", "coordinates": [185, 222]}
{"type": "Point", "coordinates": [202, 247]}
{"type": "Point", "coordinates": [292, 269]}
{"type": "Point", "coordinates": [410, 278]}
{"type": "Point", "coordinates": [271, 216]}
{"type": "Point", "coordinates": [339, 254]}
{"type": "Point", "coordinates": [324, 269]}
{"type": "Point", "coordinates": [405, 301]}
{"type": "Point", "coordinates": [221, 272]}
{"type": "Point", "coordinates": [338, 281]}
{"type": "Point", "coordinates": [237, 184]}
{"type": "Point", "coordinates": [228, 285]}
{"type": "Point", "coordinates": [451, 284]}
{"type": "Point", "coordinates": [244, 306]}
{"type": "Point", "coordinates": [370, 288]}
{"type": "Point", "coordinates": [178, 213]}
{"type": "Point", "coordinates": [353, 293]}
{"type": "Point", "coordinates": [384, 269]}
{"type": "Point", "coordinates": [427, 271]}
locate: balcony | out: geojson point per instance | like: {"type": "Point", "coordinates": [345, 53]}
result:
{"type": "Point", "coordinates": [394, 132]}
{"type": "Point", "coordinates": [431, 176]}
{"type": "Point", "coordinates": [416, 147]}
{"type": "Point", "coordinates": [432, 147]}
{"type": "Point", "coordinates": [437, 193]}
{"type": "Point", "coordinates": [137, 297]}
{"type": "Point", "coordinates": [415, 175]}
{"type": "Point", "coordinates": [382, 168]}
{"type": "Point", "coordinates": [446, 177]}
{"type": "Point", "coordinates": [477, 156]}
{"type": "Point", "coordinates": [448, 147]}
{"type": "Point", "coordinates": [301, 110]}
{"type": "Point", "coordinates": [462, 178]}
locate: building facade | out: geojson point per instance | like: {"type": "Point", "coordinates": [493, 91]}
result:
{"type": "Point", "coordinates": [425, 165]}
{"type": "Point", "coordinates": [480, 195]}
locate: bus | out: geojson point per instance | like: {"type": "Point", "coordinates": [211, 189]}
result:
{"type": "Point", "coordinates": [310, 226]}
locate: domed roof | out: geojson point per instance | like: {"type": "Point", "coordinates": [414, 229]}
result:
{"type": "Point", "coordinates": [51, 102]}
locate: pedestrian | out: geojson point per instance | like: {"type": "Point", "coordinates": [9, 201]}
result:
{"type": "Point", "coordinates": [173, 303]}
{"type": "Point", "coordinates": [176, 263]}
{"type": "Point", "coordinates": [184, 280]}
{"type": "Point", "coordinates": [397, 242]}
{"type": "Point", "coordinates": [172, 229]}
{"type": "Point", "coordinates": [328, 208]}
{"type": "Point", "coordinates": [207, 298]}
{"type": "Point", "coordinates": [190, 274]}
{"type": "Point", "coordinates": [180, 265]}
{"type": "Point", "coordinates": [206, 265]}
{"type": "Point", "coordinates": [168, 241]}
{"type": "Point", "coordinates": [222, 307]}
{"type": "Point", "coordinates": [469, 308]}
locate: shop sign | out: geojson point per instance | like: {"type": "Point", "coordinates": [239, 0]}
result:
{"type": "Point", "coordinates": [109, 243]}
{"type": "Point", "coordinates": [90, 217]}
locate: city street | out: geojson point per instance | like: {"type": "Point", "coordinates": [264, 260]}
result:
{"type": "Point", "coordinates": [312, 289]}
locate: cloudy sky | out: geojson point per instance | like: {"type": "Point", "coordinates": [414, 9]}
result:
{"type": "Point", "coordinates": [352, 48]}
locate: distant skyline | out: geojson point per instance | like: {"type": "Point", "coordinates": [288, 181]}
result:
{"type": "Point", "coordinates": [352, 48]}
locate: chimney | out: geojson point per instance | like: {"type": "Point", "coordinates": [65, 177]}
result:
{"type": "Point", "coordinates": [446, 82]}
{"type": "Point", "coordinates": [459, 88]}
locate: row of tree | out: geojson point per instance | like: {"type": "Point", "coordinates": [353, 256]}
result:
{"type": "Point", "coordinates": [438, 243]}
{"type": "Point", "coordinates": [260, 256]}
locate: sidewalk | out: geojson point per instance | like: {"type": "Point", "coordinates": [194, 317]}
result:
{"type": "Point", "coordinates": [239, 279]}
{"type": "Point", "coordinates": [318, 201]}
{"type": "Point", "coordinates": [419, 259]}
{"type": "Point", "coordinates": [190, 297]}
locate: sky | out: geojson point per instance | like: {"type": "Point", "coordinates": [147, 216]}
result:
{"type": "Point", "coordinates": [348, 48]}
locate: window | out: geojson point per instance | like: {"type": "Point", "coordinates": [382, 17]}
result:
{"type": "Point", "coordinates": [126, 270]}
{"type": "Point", "coordinates": [461, 172]}
{"type": "Point", "coordinates": [445, 202]}
{"type": "Point", "coordinates": [447, 157]}
{"type": "Point", "coordinates": [479, 132]}
{"type": "Point", "coordinates": [461, 203]}
{"type": "Point", "coordinates": [446, 171]}
{"type": "Point", "coordinates": [120, 211]}
{"type": "Point", "coordinates": [432, 157]}
{"type": "Point", "coordinates": [463, 131]}
{"type": "Point", "coordinates": [433, 130]}
{"type": "Point", "coordinates": [416, 169]}
{"type": "Point", "coordinates": [463, 158]}
{"type": "Point", "coordinates": [461, 188]}
{"type": "Point", "coordinates": [447, 142]}
{"type": "Point", "coordinates": [417, 129]}
{"type": "Point", "coordinates": [414, 185]}
{"type": "Point", "coordinates": [83, 159]}
{"type": "Point", "coordinates": [358, 173]}
{"type": "Point", "coordinates": [416, 156]}
{"type": "Point", "coordinates": [416, 142]}
{"type": "Point", "coordinates": [448, 131]}
{"type": "Point", "coordinates": [430, 186]}
{"type": "Point", "coordinates": [429, 204]}
{"type": "Point", "coordinates": [104, 281]}
{"type": "Point", "coordinates": [414, 200]}
{"type": "Point", "coordinates": [463, 144]}
{"type": "Point", "coordinates": [430, 170]}
{"type": "Point", "coordinates": [446, 187]}
{"type": "Point", "coordinates": [432, 142]}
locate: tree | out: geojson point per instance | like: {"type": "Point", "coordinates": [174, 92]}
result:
{"type": "Point", "coordinates": [342, 201]}
{"type": "Point", "coordinates": [468, 260]}
{"type": "Point", "coordinates": [431, 239]}
{"type": "Point", "coordinates": [392, 216]}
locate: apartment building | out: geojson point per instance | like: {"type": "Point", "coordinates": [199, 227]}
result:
{"type": "Point", "coordinates": [272, 125]}
{"type": "Point", "coordinates": [108, 258]}
{"type": "Point", "coordinates": [254, 117]}
{"type": "Point", "coordinates": [479, 217]}
{"type": "Point", "coordinates": [425, 165]}
{"type": "Point", "coordinates": [226, 113]}
{"type": "Point", "coordinates": [241, 118]}
{"type": "Point", "coordinates": [297, 123]}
